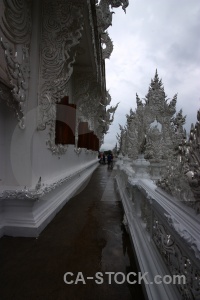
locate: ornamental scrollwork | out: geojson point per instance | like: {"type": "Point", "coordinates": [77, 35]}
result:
{"type": "Point", "coordinates": [117, 3]}
{"type": "Point", "coordinates": [104, 20]}
{"type": "Point", "coordinates": [110, 112]}
{"type": "Point", "coordinates": [178, 262]}
{"type": "Point", "coordinates": [107, 118]}
{"type": "Point", "coordinates": [150, 129]}
{"type": "Point", "coordinates": [61, 33]}
{"type": "Point", "coordinates": [106, 40]}
{"type": "Point", "coordinates": [88, 99]}
{"type": "Point", "coordinates": [88, 94]}
{"type": "Point", "coordinates": [182, 175]}
{"type": "Point", "coordinates": [189, 239]}
{"type": "Point", "coordinates": [104, 15]}
{"type": "Point", "coordinates": [62, 28]}
{"type": "Point", "coordinates": [91, 104]}
{"type": "Point", "coordinates": [7, 97]}
{"type": "Point", "coordinates": [16, 29]}
{"type": "Point", "coordinates": [16, 22]}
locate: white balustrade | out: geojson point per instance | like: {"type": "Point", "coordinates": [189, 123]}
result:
{"type": "Point", "coordinates": [164, 231]}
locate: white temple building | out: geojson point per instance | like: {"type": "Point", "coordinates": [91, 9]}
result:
{"type": "Point", "coordinates": [53, 101]}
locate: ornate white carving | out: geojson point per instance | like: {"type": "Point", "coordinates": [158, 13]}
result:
{"type": "Point", "coordinates": [16, 23]}
{"type": "Point", "coordinates": [104, 15]}
{"type": "Point", "coordinates": [108, 44]}
{"type": "Point", "coordinates": [183, 232]}
{"type": "Point", "coordinates": [91, 105]}
{"type": "Point", "coordinates": [6, 97]}
{"type": "Point", "coordinates": [122, 140]}
{"type": "Point", "coordinates": [90, 96]}
{"type": "Point", "coordinates": [108, 118]}
{"type": "Point", "coordinates": [87, 98]}
{"type": "Point", "coordinates": [177, 260]}
{"type": "Point", "coordinates": [118, 3]}
{"type": "Point", "coordinates": [40, 189]}
{"type": "Point", "coordinates": [16, 28]}
{"type": "Point", "coordinates": [108, 98]}
{"type": "Point", "coordinates": [94, 41]}
{"type": "Point", "coordinates": [182, 176]}
{"type": "Point", "coordinates": [155, 140]}
{"type": "Point", "coordinates": [177, 239]}
{"type": "Point", "coordinates": [151, 129]}
{"type": "Point", "coordinates": [155, 130]}
{"type": "Point", "coordinates": [61, 33]}
{"type": "Point", "coordinates": [77, 150]}
{"type": "Point", "coordinates": [140, 167]}
{"type": "Point", "coordinates": [58, 149]}
{"type": "Point", "coordinates": [88, 151]}
{"type": "Point", "coordinates": [104, 20]}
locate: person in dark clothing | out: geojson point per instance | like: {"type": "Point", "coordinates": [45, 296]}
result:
{"type": "Point", "coordinates": [110, 160]}
{"type": "Point", "coordinates": [104, 159]}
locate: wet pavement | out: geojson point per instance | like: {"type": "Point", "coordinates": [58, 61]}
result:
{"type": "Point", "coordinates": [86, 236]}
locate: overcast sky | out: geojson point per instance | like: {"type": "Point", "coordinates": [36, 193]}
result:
{"type": "Point", "coordinates": [162, 34]}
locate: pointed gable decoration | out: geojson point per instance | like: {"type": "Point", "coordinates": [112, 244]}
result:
{"type": "Point", "coordinates": [152, 122]}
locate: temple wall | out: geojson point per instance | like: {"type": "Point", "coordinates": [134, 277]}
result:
{"type": "Point", "coordinates": [24, 152]}
{"type": "Point", "coordinates": [35, 180]}
{"type": "Point", "coordinates": [2, 145]}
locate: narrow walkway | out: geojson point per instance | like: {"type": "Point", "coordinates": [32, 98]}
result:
{"type": "Point", "coordinates": [85, 236]}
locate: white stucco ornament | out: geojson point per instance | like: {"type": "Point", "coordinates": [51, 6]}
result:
{"type": "Point", "coordinates": [140, 167]}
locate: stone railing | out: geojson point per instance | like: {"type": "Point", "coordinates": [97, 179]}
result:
{"type": "Point", "coordinates": [165, 233]}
